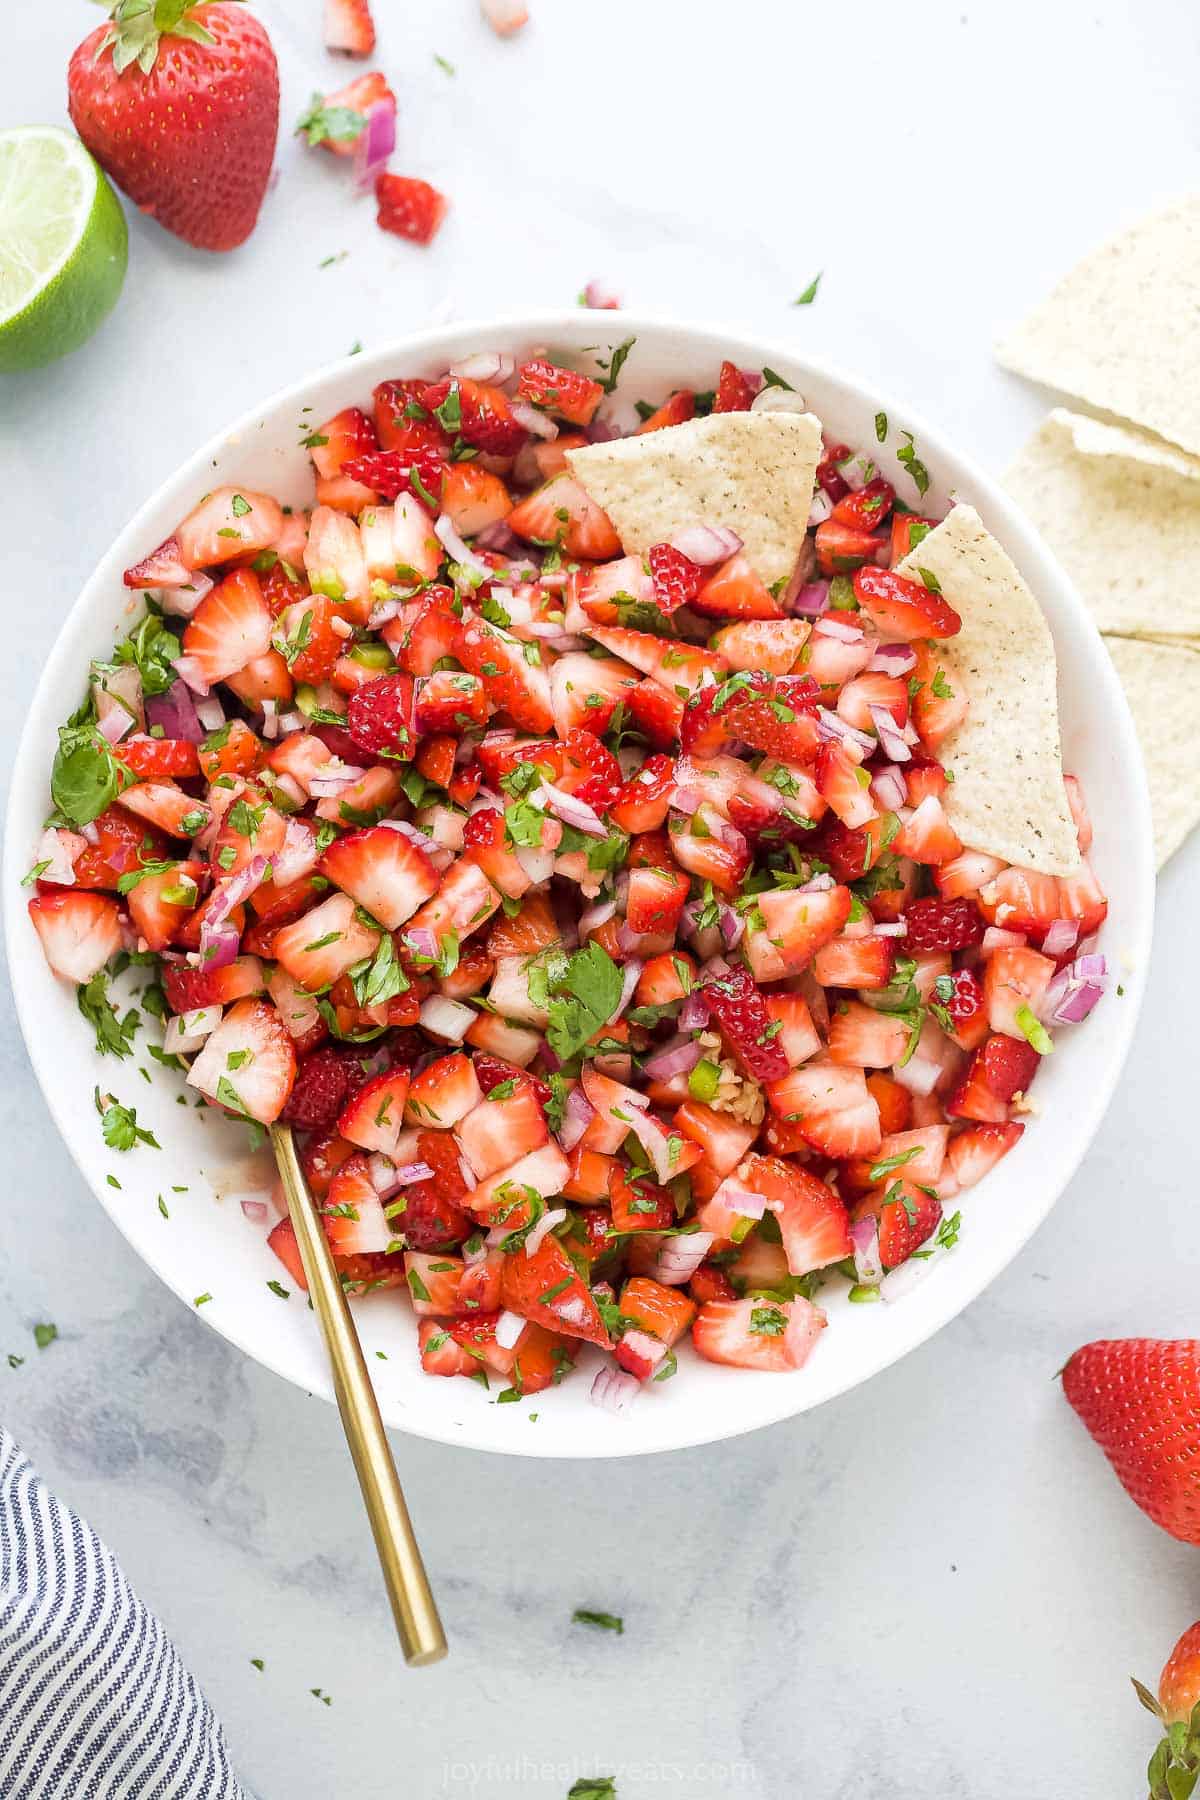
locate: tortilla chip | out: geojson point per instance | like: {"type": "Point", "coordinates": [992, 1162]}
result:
{"type": "Point", "coordinates": [1162, 686]}
{"type": "Point", "coordinates": [1120, 330]}
{"type": "Point", "coordinates": [753, 472]}
{"type": "Point", "coordinates": [1007, 796]}
{"type": "Point", "coordinates": [1122, 514]}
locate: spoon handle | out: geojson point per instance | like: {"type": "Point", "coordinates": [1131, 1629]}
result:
{"type": "Point", "coordinates": [413, 1607]}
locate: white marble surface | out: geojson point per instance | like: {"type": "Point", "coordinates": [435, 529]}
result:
{"type": "Point", "coordinates": [933, 1586]}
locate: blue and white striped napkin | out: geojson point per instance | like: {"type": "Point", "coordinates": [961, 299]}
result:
{"type": "Point", "coordinates": [95, 1703]}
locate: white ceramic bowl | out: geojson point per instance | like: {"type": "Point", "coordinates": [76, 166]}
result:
{"type": "Point", "coordinates": [207, 1246]}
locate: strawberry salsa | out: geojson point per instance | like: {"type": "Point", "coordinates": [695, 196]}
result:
{"type": "Point", "coordinates": [596, 918]}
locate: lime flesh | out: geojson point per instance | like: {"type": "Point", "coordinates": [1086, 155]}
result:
{"type": "Point", "coordinates": [63, 246]}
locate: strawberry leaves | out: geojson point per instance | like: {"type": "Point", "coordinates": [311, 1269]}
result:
{"type": "Point", "coordinates": [138, 25]}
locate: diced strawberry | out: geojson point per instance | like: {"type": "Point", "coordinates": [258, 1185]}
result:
{"type": "Point", "coordinates": [229, 522]}
{"type": "Point", "coordinates": [943, 924]}
{"type": "Point", "coordinates": [937, 705]}
{"type": "Point", "coordinates": [654, 901]}
{"type": "Point", "coordinates": [740, 1009]}
{"type": "Point", "coordinates": [167, 806]}
{"type": "Point", "coordinates": [639, 1205]}
{"type": "Point", "coordinates": [380, 717]}
{"type": "Point", "coordinates": [443, 1093]}
{"type": "Point", "coordinates": [230, 628]}
{"type": "Point", "coordinates": [450, 700]}
{"type": "Point", "coordinates": [154, 759]}
{"type": "Point", "coordinates": [603, 589]}
{"type": "Point", "coordinates": [122, 845]}
{"type": "Point", "coordinates": [680, 668]}
{"type": "Point", "coordinates": [382, 870]}
{"type": "Point", "coordinates": [433, 1279]}
{"type": "Point", "coordinates": [665, 1312]}
{"type": "Point", "coordinates": [473, 498]}
{"type": "Point", "coordinates": [829, 477]}
{"type": "Point", "coordinates": [508, 1124]}
{"type": "Point", "coordinates": [79, 932]}
{"type": "Point", "coordinates": [163, 568]}
{"type": "Point", "coordinates": [773, 646]}
{"type": "Point", "coordinates": [1014, 981]}
{"type": "Point", "coordinates": [736, 591]}
{"type": "Point", "coordinates": [813, 1222]}
{"type": "Point", "coordinates": [572, 396]}
{"type": "Point", "coordinates": [860, 962]}
{"type": "Point", "coordinates": [735, 390]}
{"type": "Point", "coordinates": [348, 434]}
{"type": "Point", "coordinates": [186, 989]}
{"type": "Point", "coordinates": [893, 1100]}
{"type": "Point", "coordinates": [429, 1214]}
{"type": "Point", "coordinates": [561, 513]}
{"type": "Point", "coordinates": [966, 874]}
{"type": "Point", "coordinates": [1021, 900]}
{"type": "Point", "coordinates": [907, 531]}
{"type": "Point", "coordinates": [780, 718]}
{"type": "Point", "coordinates": [832, 1106]}
{"type": "Point", "coordinates": [349, 27]}
{"type": "Point", "coordinates": [919, 1152]}
{"type": "Point", "coordinates": [758, 1333]}
{"type": "Point", "coordinates": [1001, 1067]}
{"type": "Point", "coordinates": [465, 900]}
{"type": "Point", "coordinates": [441, 1354]}
{"type": "Point", "coordinates": [665, 979]}
{"type": "Point", "coordinates": [642, 802]}
{"type": "Point", "coordinates": [656, 712]}
{"type": "Point", "coordinates": [866, 509]}
{"type": "Point", "coordinates": [873, 689]}
{"type": "Point", "coordinates": [247, 1064]}
{"type": "Point", "coordinates": [325, 123]}
{"type": "Point", "coordinates": [900, 608]}
{"type": "Point", "coordinates": [160, 902]}
{"type": "Point", "coordinates": [675, 578]}
{"type": "Point", "coordinates": [1082, 899]}
{"type": "Point", "coordinates": [570, 1308]}
{"type": "Point", "coordinates": [795, 925]}
{"type": "Point", "coordinates": [927, 835]}
{"type": "Point", "coordinates": [335, 563]}
{"type": "Point", "coordinates": [677, 410]}
{"type": "Point", "coordinates": [374, 1118]}
{"type": "Point", "coordinates": [480, 414]}
{"type": "Point", "coordinates": [907, 1217]}
{"type": "Point", "coordinates": [844, 786]}
{"type": "Point", "coordinates": [958, 1005]}
{"type": "Point", "coordinates": [711, 849]}
{"type": "Point", "coordinates": [861, 1036]}
{"type": "Point", "coordinates": [978, 1149]}
{"type": "Point", "coordinates": [409, 207]}
{"type": "Point", "coordinates": [324, 943]}
{"type": "Point", "coordinates": [514, 682]}
{"type": "Point", "coordinates": [841, 549]}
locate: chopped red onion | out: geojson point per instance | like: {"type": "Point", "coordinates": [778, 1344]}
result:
{"type": "Point", "coordinates": [740, 1199]}
{"type": "Point", "coordinates": [895, 928]}
{"type": "Point", "coordinates": [831, 626]}
{"type": "Point", "coordinates": [732, 925]}
{"type": "Point", "coordinates": [374, 143]}
{"type": "Point", "coordinates": [629, 980]}
{"type": "Point", "coordinates": [89, 833]}
{"type": "Point", "coordinates": [498, 536]}
{"type": "Point", "coordinates": [456, 547]}
{"type": "Point", "coordinates": [614, 1389]}
{"type": "Point", "coordinates": [270, 720]}
{"type": "Point", "coordinates": [509, 1327]}
{"type": "Point", "coordinates": [831, 725]}
{"type": "Point", "coordinates": [289, 786]}
{"type": "Point", "coordinates": [811, 600]}
{"type": "Point", "coordinates": [693, 1014]}
{"type": "Point", "coordinates": [545, 1225]}
{"type": "Point", "coordinates": [1075, 990]}
{"type": "Point", "coordinates": [817, 884]}
{"type": "Point", "coordinates": [491, 366]}
{"type": "Point", "coordinates": [1061, 936]}
{"type": "Point", "coordinates": [175, 711]}
{"type": "Point", "coordinates": [571, 810]}
{"type": "Point", "coordinates": [706, 544]}
{"type": "Point", "coordinates": [778, 399]}
{"type": "Point", "coordinates": [533, 420]}
{"type": "Point", "coordinates": [594, 916]}
{"type": "Point", "coordinates": [687, 799]}
{"type": "Point", "coordinates": [538, 864]}
{"type": "Point", "coordinates": [679, 1057]}
{"type": "Point", "coordinates": [189, 669]}
{"type": "Point", "coordinates": [889, 788]}
{"type": "Point", "coordinates": [893, 659]}
{"type": "Point", "coordinates": [422, 941]}
{"type": "Point", "coordinates": [656, 1142]}
{"type": "Point", "coordinates": [820, 509]}
{"type": "Point", "coordinates": [578, 1114]}
{"type": "Point", "coordinates": [186, 1032]}
{"type": "Point", "coordinates": [856, 471]}
{"type": "Point", "coordinates": [333, 778]}
{"type": "Point", "coordinates": [256, 1211]}
{"type": "Point", "coordinates": [889, 733]}
{"type": "Point", "coordinates": [219, 944]}
{"type": "Point", "coordinates": [868, 1266]}
{"type": "Point", "coordinates": [680, 1255]}
{"type": "Point", "coordinates": [384, 611]}
{"type": "Point", "coordinates": [439, 854]}
{"type": "Point", "coordinates": [210, 712]}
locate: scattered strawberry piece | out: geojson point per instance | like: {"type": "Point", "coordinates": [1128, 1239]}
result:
{"type": "Point", "coordinates": [1140, 1400]}
{"type": "Point", "coordinates": [735, 390]}
{"type": "Point", "coordinates": [943, 924]}
{"type": "Point", "coordinates": [379, 717]}
{"type": "Point", "coordinates": [677, 579]}
{"type": "Point", "coordinates": [900, 608]}
{"type": "Point", "coordinates": [325, 1082]}
{"type": "Point", "coordinates": [409, 207]}
{"type": "Point", "coordinates": [740, 1009]}
{"type": "Point", "coordinates": [477, 412]}
{"type": "Point", "coordinates": [349, 27]}
{"type": "Point", "coordinates": [572, 396]}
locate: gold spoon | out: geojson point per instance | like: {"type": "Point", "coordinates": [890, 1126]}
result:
{"type": "Point", "coordinates": [413, 1607]}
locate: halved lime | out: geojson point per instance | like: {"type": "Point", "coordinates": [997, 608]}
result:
{"type": "Point", "coordinates": [63, 245]}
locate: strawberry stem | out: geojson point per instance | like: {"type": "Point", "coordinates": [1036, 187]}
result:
{"type": "Point", "coordinates": [138, 27]}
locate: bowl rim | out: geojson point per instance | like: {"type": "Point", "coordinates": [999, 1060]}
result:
{"type": "Point", "coordinates": [744, 347]}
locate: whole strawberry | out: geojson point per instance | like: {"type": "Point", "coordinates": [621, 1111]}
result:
{"type": "Point", "coordinates": [180, 104]}
{"type": "Point", "coordinates": [1140, 1399]}
{"type": "Point", "coordinates": [1175, 1766]}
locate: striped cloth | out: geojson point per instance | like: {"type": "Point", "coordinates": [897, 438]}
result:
{"type": "Point", "coordinates": [95, 1703]}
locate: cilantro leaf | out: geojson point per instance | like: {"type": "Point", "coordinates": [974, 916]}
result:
{"type": "Point", "coordinates": [589, 993]}
{"type": "Point", "coordinates": [114, 1036]}
{"type": "Point", "coordinates": [121, 1129]}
